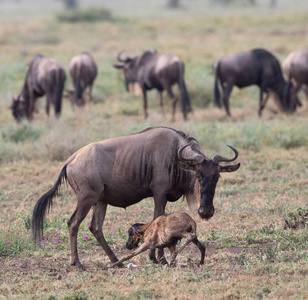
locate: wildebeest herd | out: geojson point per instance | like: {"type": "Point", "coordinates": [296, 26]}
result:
{"type": "Point", "coordinates": [154, 70]}
{"type": "Point", "coordinates": [158, 162]}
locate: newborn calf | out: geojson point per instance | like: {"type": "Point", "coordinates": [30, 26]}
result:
{"type": "Point", "coordinates": [165, 231]}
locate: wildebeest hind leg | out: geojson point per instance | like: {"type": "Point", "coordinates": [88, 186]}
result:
{"type": "Point", "coordinates": [226, 96]}
{"type": "Point", "coordinates": [99, 213]}
{"type": "Point", "coordinates": [174, 100]}
{"type": "Point", "coordinates": [73, 223]}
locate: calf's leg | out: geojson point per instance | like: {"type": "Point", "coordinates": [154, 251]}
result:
{"type": "Point", "coordinates": [189, 239]}
{"type": "Point", "coordinates": [201, 248]}
{"type": "Point", "coordinates": [139, 250]}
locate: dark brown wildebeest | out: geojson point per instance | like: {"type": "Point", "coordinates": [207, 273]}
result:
{"type": "Point", "coordinates": [243, 69]}
{"type": "Point", "coordinates": [83, 71]}
{"type": "Point", "coordinates": [295, 67]}
{"type": "Point", "coordinates": [153, 70]}
{"type": "Point", "coordinates": [44, 77]}
{"type": "Point", "coordinates": [158, 162]}
{"type": "Point", "coordinates": [164, 231]}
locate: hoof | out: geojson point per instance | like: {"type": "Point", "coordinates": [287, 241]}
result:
{"type": "Point", "coordinates": [117, 265]}
{"type": "Point", "coordinates": [163, 262]}
{"type": "Point", "coordinates": [78, 266]}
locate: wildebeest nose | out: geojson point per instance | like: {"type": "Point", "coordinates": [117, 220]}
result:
{"type": "Point", "coordinates": [206, 212]}
{"type": "Point", "coordinates": [129, 246]}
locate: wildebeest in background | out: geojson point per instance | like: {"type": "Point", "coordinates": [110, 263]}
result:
{"type": "Point", "coordinates": [83, 71]}
{"type": "Point", "coordinates": [153, 70]}
{"type": "Point", "coordinates": [45, 76]}
{"type": "Point", "coordinates": [243, 69]}
{"type": "Point", "coordinates": [295, 67]}
{"type": "Point", "coordinates": [158, 162]}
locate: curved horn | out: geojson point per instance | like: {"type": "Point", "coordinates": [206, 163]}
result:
{"type": "Point", "coordinates": [119, 57]}
{"type": "Point", "coordinates": [218, 158]}
{"type": "Point", "coordinates": [196, 159]}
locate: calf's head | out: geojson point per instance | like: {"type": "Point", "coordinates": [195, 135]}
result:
{"type": "Point", "coordinates": [207, 173]}
{"type": "Point", "coordinates": [135, 235]}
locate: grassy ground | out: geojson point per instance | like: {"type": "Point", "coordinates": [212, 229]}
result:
{"type": "Point", "coordinates": [257, 241]}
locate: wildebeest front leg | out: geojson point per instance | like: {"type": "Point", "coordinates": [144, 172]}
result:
{"type": "Point", "coordinates": [48, 101]}
{"type": "Point", "coordinates": [160, 205]}
{"type": "Point", "coordinates": [73, 223]}
{"type": "Point", "coordinates": [262, 102]}
{"type": "Point", "coordinates": [139, 250]}
{"type": "Point", "coordinates": [145, 103]}
{"type": "Point", "coordinates": [90, 91]}
{"type": "Point", "coordinates": [160, 99]}
{"type": "Point", "coordinates": [99, 213]}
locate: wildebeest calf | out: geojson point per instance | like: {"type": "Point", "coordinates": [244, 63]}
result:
{"type": "Point", "coordinates": [164, 231]}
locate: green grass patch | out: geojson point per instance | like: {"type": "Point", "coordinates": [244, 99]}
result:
{"type": "Point", "coordinates": [92, 14]}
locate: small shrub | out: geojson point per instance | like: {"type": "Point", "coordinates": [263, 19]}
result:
{"type": "Point", "coordinates": [242, 260]}
{"type": "Point", "coordinates": [296, 219]}
{"type": "Point", "coordinates": [91, 15]}
{"type": "Point", "coordinates": [19, 133]}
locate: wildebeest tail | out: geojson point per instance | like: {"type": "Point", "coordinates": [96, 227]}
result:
{"type": "Point", "coordinates": [43, 204]}
{"type": "Point", "coordinates": [186, 106]}
{"type": "Point", "coordinates": [216, 89]}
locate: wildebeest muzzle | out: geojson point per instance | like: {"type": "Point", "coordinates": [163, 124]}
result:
{"type": "Point", "coordinates": [206, 212]}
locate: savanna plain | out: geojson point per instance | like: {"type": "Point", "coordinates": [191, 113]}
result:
{"type": "Point", "coordinates": [257, 240]}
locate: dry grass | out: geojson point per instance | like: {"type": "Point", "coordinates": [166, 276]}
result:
{"type": "Point", "coordinates": [251, 253]}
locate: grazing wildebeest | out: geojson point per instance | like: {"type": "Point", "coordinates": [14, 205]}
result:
{"type": "Point", "coordinates": [243, 69]}
{"type": "Point", "coordinates": [83, 71]}
{"type": "Point", "coordinates": [44, 77]}
{"type": "Point", "coordinates": [164, 231]}
{"type": "Point", "coordinates": [153, 70]}
{"type": "Point", "coordinates": [295, 67]}
{"type": "Point", "coordinates": [158, 162]}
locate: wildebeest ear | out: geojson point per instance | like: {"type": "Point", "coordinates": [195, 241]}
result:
{"type": "Point", "coordinates": [136, 227]}
{"type": "Point", "coordinates": [229, 168]}
{"type": "Point", "coordinates": [187, 166]}
{"type": "Point", "coordinates": [118, 66]}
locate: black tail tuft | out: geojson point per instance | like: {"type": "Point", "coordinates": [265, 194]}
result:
{"type": "Point", "coordinates": [43, 204]}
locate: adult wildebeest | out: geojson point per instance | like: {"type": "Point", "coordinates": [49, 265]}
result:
{"type": "Point", "coordinates": [83, 71]}
{"type": "Point", "coordinates": [158, 162]}
{"type": "Point", "coordinates": [243, 69]}
{"type": "Point", "coordinates": [295, 67]}
{"type": "Point", "coordinates": [153, 70]}
{"type": "Point", "coordinates": [44, 77]}
{"type": "Point", "coordinates": [164, 231]}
